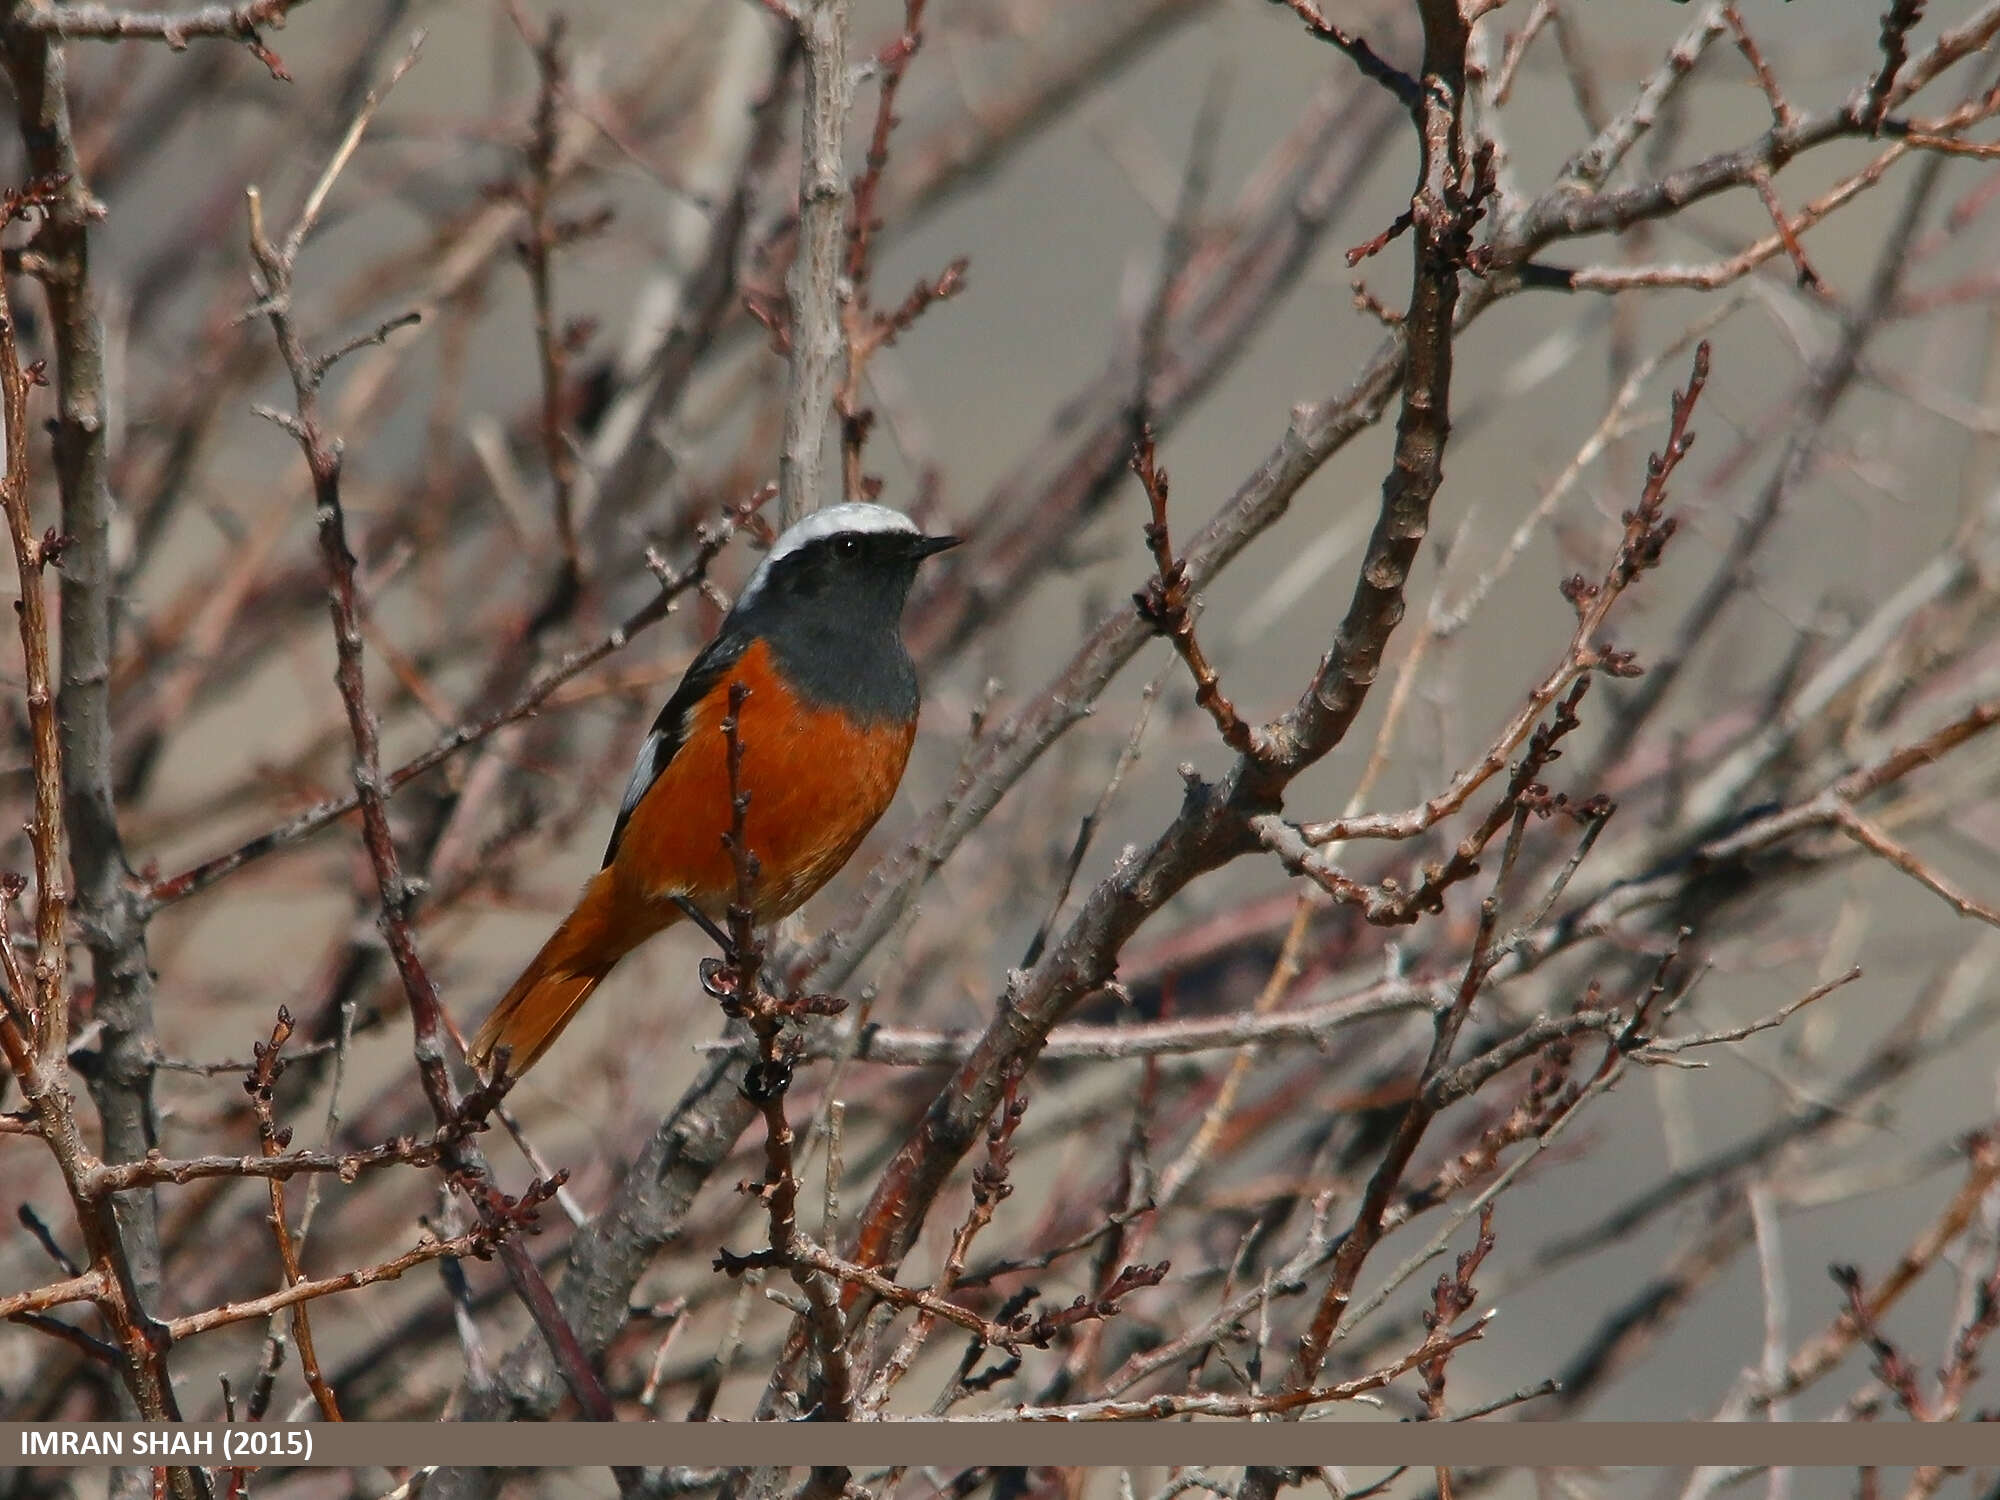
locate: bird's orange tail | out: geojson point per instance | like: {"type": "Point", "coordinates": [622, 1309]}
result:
{"type": "Point", "coordinates": [572, 963]}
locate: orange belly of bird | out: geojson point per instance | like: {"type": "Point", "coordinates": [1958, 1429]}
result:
{"type": "Point", "coordinates": [818, 781]}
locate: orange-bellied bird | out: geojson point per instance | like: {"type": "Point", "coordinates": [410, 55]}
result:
{"type": "Point", "coordinates": [816, 638]}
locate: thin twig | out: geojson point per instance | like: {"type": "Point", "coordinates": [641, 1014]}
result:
{"type": "Point", "coordinates": [397, 898]}
{"type": "Point", "coordinates": [1167, 604]}
{"type": "Point", "coordinates": [537, 692]}
{"type": "Point", "coordinates": [258, 1084]}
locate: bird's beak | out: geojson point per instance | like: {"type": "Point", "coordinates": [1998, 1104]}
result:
{"type": "Point", "coordinates": [930, 546]}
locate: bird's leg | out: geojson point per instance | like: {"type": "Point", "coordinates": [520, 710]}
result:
{"type": "Point", "coordinates": [702, 920]}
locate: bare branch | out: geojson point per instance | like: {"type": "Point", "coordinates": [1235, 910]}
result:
{"type": "Point", "coordinates": [813, 286]}
{"type": "Point", "coordinates": [1897, 22]}
{"type": "Point", "coordinates": [237, 23]}
{"type": "Point", "coordinates": [121, 1235]}
{"type": "Point", "coordinates": [1407, 91]}
{"type": "Point", "coordinates": [396, 895]}
{"type": "Point", "coordinates": [1166, 604]}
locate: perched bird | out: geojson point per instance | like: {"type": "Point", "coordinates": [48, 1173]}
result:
{"type": "Point", "coordinates": [816, 638]}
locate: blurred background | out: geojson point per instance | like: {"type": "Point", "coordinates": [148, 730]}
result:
{"type": "Point", "coordinates": [1660, 1259]}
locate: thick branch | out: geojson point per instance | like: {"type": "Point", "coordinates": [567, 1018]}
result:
{"type": "Point", "coordinates": [237, 23]}
{"type": "Point", "coordinates": [126, 1238]}
{"type": "Point", "coordinates": [1214, 824]}
{"type": "Point", "coordinates": [106, 23]}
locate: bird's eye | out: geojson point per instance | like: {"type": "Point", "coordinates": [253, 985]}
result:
{"type": "Point", "coordinates": [847, 546]}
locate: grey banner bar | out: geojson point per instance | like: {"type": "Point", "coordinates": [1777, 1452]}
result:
{"type": "Point", "coordinates": [957, 1444]}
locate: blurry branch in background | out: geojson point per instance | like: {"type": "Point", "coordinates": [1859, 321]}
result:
{"type": "Point", "coordinates": [1281, 1028]}
{"type": "Point", "coordinates": [815, 348]}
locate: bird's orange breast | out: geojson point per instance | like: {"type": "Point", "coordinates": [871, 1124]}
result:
{"type": "Point", "coordinates": [818, 781]}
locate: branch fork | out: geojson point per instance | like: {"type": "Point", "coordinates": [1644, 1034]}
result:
{"type": "Point", "coordinates": [1167, 604]}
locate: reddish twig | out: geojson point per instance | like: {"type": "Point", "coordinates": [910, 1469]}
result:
{"type": "Point", "coordinates": [1720, 273]}
{"type": "Point", "coordinates": [479, 1242]}
{"type": "Point", "coordinates": [1013, 1331]}
{"type": "Point", "coordinates": [865, 328]}
{"type": "Point", "coordinates": [990, 1188]}
{"type": "Point", "coordinates": [1891, 1367]}
{"type": "Point", "coordinates": [396, 897]}
{"type": "Point", "coordinates": [1872, 838]}
{"type": "Point", "coordinates": [1090, 1309]}
{"type": "Point", "coordinates": [48, 995]}
{"type": "Point", "coordinates": [258, 1085]}
{"type": "Point", "coordinates": [537, 248]}
{"type": "Point", "coordinates": [1865, 1308]}
{"type": "Point", "coordinates": [1166, 603]}
{"type": "Point", "coordinates": [738, 984]}
{"type": "Point", "coordinates": [1897, 22]}
{"type": "Point", "coordinates": [1390, 903]}
{"type": "Point", "coordinates": [1398, 227]}
{"type": "Point", "coordinates": [1286, 1402]}
{"type": "Point", "coordinates": [34, 1032]}
{"type": "Point", "coordinates": [656, 608]}
{"type": "Point", "coordinates": [1768, 195]}
{"type": "Point", "coordinates": [1452, 1299]}
{"type": "Point", "coordinates": [1367, 1228]}
{"type": "Point", "coordinates": [1648, 528]}
{"type": "Point", "coordinates": [892, 62]}
{"type": "Point", "coordinates": [282, 1166]}
{"type": "Point", "coordinates": [1781, 109]}
{"type": "Point", "coordinates": [1408, 92]}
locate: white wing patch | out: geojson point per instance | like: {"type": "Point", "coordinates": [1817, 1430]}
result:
{"type": "Point", "coordinates": [853, 516]}
{"type": "Point", "coordinates": [643, 772]}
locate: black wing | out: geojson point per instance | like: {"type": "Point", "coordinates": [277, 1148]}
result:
{"type": "Point", "coordinates": [670, 729]}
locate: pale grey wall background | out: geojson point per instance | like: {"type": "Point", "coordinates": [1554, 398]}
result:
{"type": "Point", "coordinates": [1062, 237]}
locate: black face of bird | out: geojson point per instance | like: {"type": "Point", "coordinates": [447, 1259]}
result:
{"type": "Point", "coordinates": [828, 601]}
{"type": "Point", "coordinates": [847, 580]}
